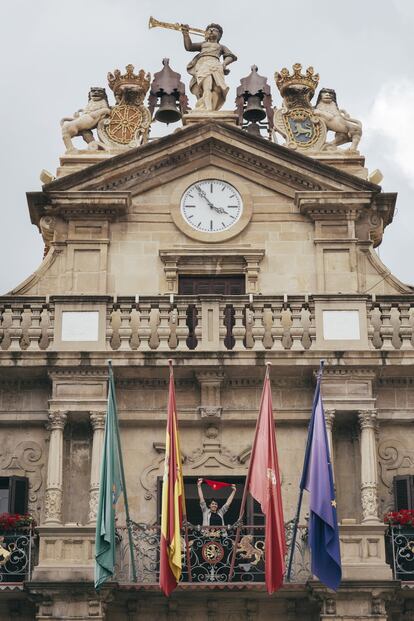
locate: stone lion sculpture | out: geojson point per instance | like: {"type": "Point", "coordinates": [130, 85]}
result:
{"type": "Point", "coordinates": [85, 120]}
{"type": "Point", "coordinates": [346, 128]}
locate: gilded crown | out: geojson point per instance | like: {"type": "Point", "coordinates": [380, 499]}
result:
{"type": "Point", "coordinates": [285, 80]}
{"type": "Point", "coordinates": [129, 80]}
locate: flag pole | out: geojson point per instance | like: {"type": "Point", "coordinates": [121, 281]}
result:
{"type": "Point", "coordinates": [121, 467]}
{"type": "Point", "coordinates": [187, 547]}
{"type": "Point", "coordinates": [299, 507]}
{"type": "Point", "coordinates": [245, 491]}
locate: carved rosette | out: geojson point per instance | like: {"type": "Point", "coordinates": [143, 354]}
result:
{"type": "Point", "coordinates": [53, 505]}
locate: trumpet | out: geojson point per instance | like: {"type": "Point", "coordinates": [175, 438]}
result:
{"type": "Point", "coordinates": [154, 23]}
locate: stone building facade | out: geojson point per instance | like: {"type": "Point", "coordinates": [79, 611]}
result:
{"type": "Point", "coordinates": [127, 277]}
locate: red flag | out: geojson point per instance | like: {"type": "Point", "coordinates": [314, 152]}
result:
{"type": "Point", "coordinates": [173, 501]}
{"type": "Point", "coordinates": [216, 484]}
{"type": "Point", "coordinates": [264, 485]}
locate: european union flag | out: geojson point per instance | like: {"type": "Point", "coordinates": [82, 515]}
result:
{"type": "Point", "coordinates": [317, 479]}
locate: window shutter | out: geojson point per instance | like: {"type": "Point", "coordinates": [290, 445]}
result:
{"type": "Point", "coordinates": [403, 498]}
{"type": "Point", "coordinates": [19, 494]}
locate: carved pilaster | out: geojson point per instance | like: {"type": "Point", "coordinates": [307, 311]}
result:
{"type": "Point", "coordinates": [291, 610]}
{"type": "Point", "coordinates": [369, 474]}
{"type": "Point", "coordinates": [210, 384]}
{"type": "Point", "coordinates": [212, 609]}
{"type": "Point", "coordinates": [98, 425]}
{"type": "Point", "coordinates": [330, 606]}
{"type": "Point", "coordinates": [251, 610]}
{"type": "Point", "coordinates": [53, 496]}
{"type": "Point", "coordinates": [172, 614]}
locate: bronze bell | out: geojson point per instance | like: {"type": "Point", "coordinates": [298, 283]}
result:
{"type": "Point", "coordinates": [168, 111]}
{"type": "Point", "coordinates": [254, 111]}
{"type": "Point", "coordinates": [253, 129]}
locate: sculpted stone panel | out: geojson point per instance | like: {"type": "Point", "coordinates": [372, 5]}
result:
{"type": "Point", "coordinates": [26, 459]}
{"type": "Point", "coordinates": [211, 454]}
{"type": "Point", "coordinates": [396, 457]}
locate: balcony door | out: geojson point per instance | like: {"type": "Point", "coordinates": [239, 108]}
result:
{"type": "Point", "coordinates": [212, 285]}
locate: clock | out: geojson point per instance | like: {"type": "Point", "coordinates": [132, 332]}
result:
{"type": "Point", "coordinates": [211, 206]}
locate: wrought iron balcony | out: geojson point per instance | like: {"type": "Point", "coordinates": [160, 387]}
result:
{"type": "Point", "coordinates": [402, 550]}
{"type": "Point", "coordinates": [207, 555]}
{"type": "Point", "coordinates": [17, 555]}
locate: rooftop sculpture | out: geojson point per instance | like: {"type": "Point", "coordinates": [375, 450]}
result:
{"type": "Point", "coordinates": [304, 127]}
{"type": "Point", "coordinates": [207, 81]}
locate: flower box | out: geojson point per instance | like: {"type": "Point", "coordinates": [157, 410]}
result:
{"type": "Point", "coordinates": [404, 517]}
{"type": "Point", "coordinates": [16, 521]}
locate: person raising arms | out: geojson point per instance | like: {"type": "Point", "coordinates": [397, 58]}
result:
{"type": "Point", "coordinates": [212, 515]}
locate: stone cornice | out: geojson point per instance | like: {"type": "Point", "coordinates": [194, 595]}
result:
{"type": "Point", "coordinates": [70, 205]}
{"type": "Point", "coordinates": [335, 372]}
{"type": "Point", "coordinates": [330, 204]}
{"type": "Point", "coordinates": [147, 176]}
{"type": "Point", "coordinates": [385, 203]}
{"type": "Point", "coordinates": [188, 144]}
{"type": "Point", "coordinates": [395, 381]}
{"type": "Point", "coordinates": [22, 384]}
{"type": "Point", "coordinates": [180, 253]}
{"type": "Point", "coordinates": [78, 374]}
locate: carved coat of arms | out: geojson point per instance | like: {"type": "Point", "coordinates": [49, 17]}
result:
{"type": "Point", "coordinates": [129, 120]}
{"type": "Point", "coordinates": [296, 121]}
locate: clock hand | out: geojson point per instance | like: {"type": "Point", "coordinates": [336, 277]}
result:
{"type": "Point", "coordinates": [204, 195]}
{"type": "Point", "coordinates": [210, 204]}
{"type": "Point", "coordinates": [221, 210]}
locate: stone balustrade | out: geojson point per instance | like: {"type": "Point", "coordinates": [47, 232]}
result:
{"type": "Point", "coordinates": [203, 323]}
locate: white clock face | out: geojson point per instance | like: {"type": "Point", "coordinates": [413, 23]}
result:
{"type": "Point", "coordinates": [211, 206]}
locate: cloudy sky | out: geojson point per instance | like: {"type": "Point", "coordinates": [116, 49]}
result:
{"type": "Point", "coordinates": [52, 51]}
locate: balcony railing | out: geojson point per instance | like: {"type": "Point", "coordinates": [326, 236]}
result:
{"type": "Point", "coordinates": [203, 323]}
{"type": "Point", "coordinates": [17, 555]}
{"type": "Point", "coordinates": [402, 550]}
{"type": "Point", "coordinates": [207, 555]}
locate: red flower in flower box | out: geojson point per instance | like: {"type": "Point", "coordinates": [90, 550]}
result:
{"type": "Point", "coordinates": [13, 521]}
{"type": "Point", "coordinates": [404, 517]}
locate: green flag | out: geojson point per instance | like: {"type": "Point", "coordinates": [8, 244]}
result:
{"type": "Point", "coordinates": [110, 488]}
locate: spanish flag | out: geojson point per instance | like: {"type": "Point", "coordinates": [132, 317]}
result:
{"type": "Point", "coordinates": [173, 501]}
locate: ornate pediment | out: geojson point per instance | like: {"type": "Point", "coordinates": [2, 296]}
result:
{"type": "Point", "coordinates": [210, 456]}
{"type": "Point", "coordinates": [210, 143]}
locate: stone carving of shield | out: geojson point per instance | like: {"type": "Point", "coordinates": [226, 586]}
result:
{"type": "Point", "coordinates": [303, 129]}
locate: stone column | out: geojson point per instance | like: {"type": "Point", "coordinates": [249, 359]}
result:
{"type": "Point", "coordinates": [53, 497]}
{"type": "Point", "coordinates": [98, 425]}
{"type": "Point", "coordinates": [369, 475]}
